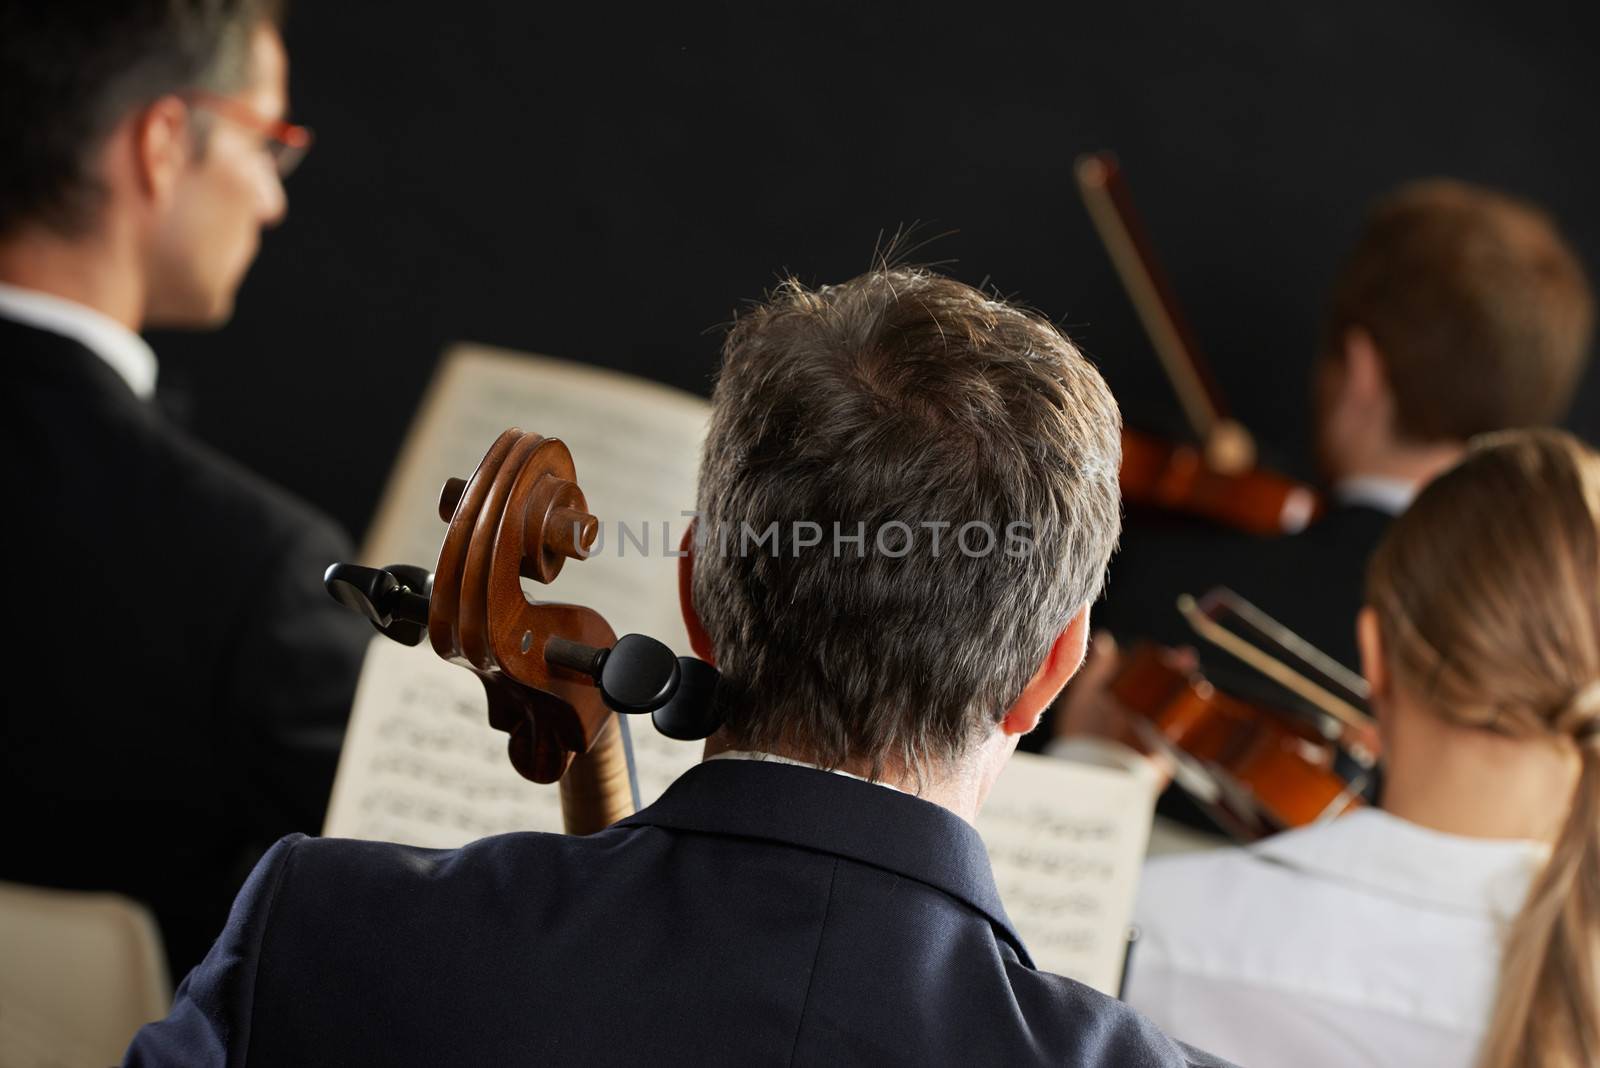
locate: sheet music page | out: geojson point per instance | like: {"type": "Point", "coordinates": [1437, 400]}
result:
{"type": "Point", "coordinates": [420, 763]}
{"type": "Point", "coordinates": [1066, 840]}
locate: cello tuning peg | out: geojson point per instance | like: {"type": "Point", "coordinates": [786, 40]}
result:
{"type": "Point", "coordinates": [691, 711]}
{"type": "Point", "coordinates": [394, 599]}
{"type": "Point", "coordinates": [450, 496]}
{"type": "Point", "coordinates": [640, 674]}
{"type": "Point", "coordinates": [361, 589]}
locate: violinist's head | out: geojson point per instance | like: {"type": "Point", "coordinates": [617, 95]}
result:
{"type": "Point", "coordinates": [958, 458]}
{"type": "Point", "coordinates": [143, 164]}
{"type": "Point", "coordinates": [1460, 311]}
{"type": "Point", "coordinates": [1482, 645]}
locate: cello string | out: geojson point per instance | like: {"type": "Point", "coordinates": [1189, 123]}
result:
{"type": "Point", "coordinates": [627, 756]}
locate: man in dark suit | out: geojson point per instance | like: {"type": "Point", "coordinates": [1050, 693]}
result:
{"type": "Point", "coordinates": [194, 678]}
{"type": "Point", "coordinates": [907, 500]}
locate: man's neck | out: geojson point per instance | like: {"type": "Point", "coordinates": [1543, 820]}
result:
{"type": "Point", "coordinates": [91, 271]}
{"type": "Point", "coordinates": [961, 790]}
{"type": "Point", "coordinates": [1414, 464]}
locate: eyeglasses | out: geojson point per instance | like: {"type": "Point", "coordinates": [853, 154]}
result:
{"type": "Point", "coordinates": [287, 144]}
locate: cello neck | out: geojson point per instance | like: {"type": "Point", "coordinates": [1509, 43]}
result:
{"type": "Point", "coordinates": [597, 789]}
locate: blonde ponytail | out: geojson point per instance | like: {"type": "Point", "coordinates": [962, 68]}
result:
{"type": "Point", "coordinates": [1547, 1012]}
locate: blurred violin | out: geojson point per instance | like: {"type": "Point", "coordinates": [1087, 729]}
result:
{"type": "Point", "coordinates": [1217, 479]}
{"type": "Point", "coordinates": [555, 674]}
{"type": "Point", "coordinates": [1256, 766]}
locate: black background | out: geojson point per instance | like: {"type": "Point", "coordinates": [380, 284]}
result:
{"type": "Point", "coordinates": [608, 185]}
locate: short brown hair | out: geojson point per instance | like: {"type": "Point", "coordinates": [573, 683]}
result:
{"type": "Point", "coordinates": [1482, 312]}
{"type": "Point", "coordinates": [70, 70]}
{"type": "Point", "coordinates": [904, 401]}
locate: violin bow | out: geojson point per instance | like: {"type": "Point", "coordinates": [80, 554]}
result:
{"type": "Point", "coordinates": [1228, 445]}
{"type": "Point", "coordinates": [1337, 691]}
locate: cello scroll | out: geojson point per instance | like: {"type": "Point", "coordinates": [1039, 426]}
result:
{"type": "Point", "coordinates": [555, 674]}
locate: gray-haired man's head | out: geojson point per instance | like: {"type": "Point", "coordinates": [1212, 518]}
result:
{"type": "Point", "coordinates": [909, 489]}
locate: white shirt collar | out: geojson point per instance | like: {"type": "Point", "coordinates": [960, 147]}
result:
{"type": "Point", "coordinates": [1401, 859]}
{"type": "Point", "coordinates": [750, 754]}
{"type": "Point", "coordinates": [1391, 495]}
{"type": "Point", "coordinates": [124, 352]}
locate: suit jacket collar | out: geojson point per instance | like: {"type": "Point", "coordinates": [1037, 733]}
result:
{"type": "Point", "coordinates": [124, 351]}
{"type": "Point", "coordinates": [1391, 496]}
{"type": "Point", "coordinates": [829, 813]}
{"type": "Point", "coordinates": [34, 355]}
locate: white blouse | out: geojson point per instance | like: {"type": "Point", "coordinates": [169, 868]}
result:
{"type": "Point", "coordinates": [1367, 940]}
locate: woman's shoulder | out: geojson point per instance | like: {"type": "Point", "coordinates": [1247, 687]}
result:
{"type": "Point", "coordinates": [1337, 910]}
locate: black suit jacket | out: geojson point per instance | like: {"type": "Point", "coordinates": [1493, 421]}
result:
{"type": "Point", "coordinates": [758, 913]}
{"type": "Point", "coordinates": [191, 678]}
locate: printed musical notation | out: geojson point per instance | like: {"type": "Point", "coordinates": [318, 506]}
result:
{"type": "Point", "coordinates": [1066, 841]}
{"type": "Point", "coordinates": [421, 765]}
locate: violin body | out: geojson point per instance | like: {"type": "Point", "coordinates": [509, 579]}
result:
{"type": "Point", "coordinates": [1257, 769]}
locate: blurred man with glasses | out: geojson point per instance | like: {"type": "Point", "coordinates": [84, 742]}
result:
{"type": "Point", "coordinates": [192, 678]}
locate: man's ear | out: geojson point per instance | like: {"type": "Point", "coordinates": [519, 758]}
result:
{"type": "Point", "coordinates": [1366, 375]}
{"type": "Point", "coordinates": [1060, 664]}
{"type": "Point", "coordinates": [162, 147]}
{"type": "Point", "coordinates": [699, 640]}
{"type": "Point", "coordinates": [1369, 643]}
